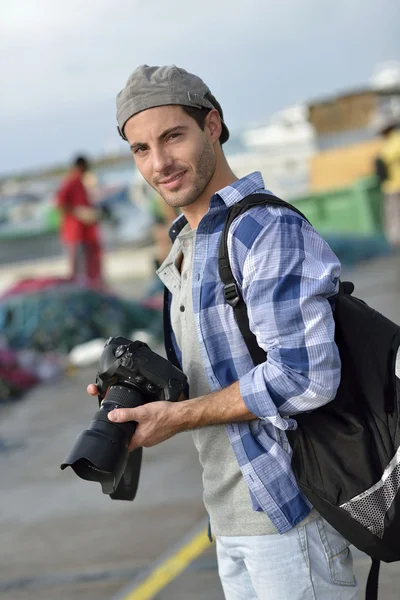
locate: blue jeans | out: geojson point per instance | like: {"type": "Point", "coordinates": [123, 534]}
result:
{"type": "Point", "coordinates": [309, 562]}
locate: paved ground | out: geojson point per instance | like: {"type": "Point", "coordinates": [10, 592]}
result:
{"type": "Point", "coordinates": [61, 538]}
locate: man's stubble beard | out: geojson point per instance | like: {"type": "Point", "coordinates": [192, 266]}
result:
{"type": "Point", "coordinates": [204, 170]}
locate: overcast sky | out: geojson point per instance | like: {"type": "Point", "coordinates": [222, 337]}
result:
{"type": "Point", "coordinates": [62, 62]}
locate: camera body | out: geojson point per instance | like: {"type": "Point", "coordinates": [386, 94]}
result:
{"type": "Point", "coordinates": [129, 375]}
{"type": "Point", "coordinates": [128, 363]}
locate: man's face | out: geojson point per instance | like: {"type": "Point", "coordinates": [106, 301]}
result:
{"type": "Point", "coordinates": [172, 153]}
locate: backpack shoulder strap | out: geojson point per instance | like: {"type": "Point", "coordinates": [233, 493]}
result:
{"type": "Point", "coordinates": [371, 592]}
{"type": "Point", "coordinates": [231, 291]}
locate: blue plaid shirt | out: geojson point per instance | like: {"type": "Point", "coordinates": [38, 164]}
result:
{"type": "Point", "coordinates": [288, 277]}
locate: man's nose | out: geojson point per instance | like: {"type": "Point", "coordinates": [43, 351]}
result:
{"type": "Point", "coordinates": [161, 160]}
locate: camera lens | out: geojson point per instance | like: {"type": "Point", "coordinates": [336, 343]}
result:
{"type": "Point", "coordinates": [129, 375]}
{"type": "Point", "coordinates": [101, 451]}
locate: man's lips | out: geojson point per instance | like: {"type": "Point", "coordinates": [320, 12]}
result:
{"type": "Point", "coordinates": [172, 179]}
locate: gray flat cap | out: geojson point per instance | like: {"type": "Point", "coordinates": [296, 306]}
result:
{"type": "Point", "coordinates": [149, 87]}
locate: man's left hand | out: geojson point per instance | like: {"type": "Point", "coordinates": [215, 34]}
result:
{"type": "Point", "coordinates": [156, 422]}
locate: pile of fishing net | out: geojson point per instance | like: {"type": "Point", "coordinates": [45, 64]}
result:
{"type": "Point", "coordinates": [57, 315]}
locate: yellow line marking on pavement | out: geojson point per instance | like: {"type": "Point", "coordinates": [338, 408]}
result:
{"type": "Point", "coordinates": [161, 576]}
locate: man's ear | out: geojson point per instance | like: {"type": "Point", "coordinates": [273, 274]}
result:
{"type": "Point", "coordinates": [213, 125]}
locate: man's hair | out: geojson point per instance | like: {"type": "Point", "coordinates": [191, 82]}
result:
{"type": "Point", "coordinates": [81, 162]}
{"type": "Point", "coordinates": [198, 114]}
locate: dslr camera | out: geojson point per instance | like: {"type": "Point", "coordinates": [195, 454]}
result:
{"type": "Point", "coordinates": [129, 375]}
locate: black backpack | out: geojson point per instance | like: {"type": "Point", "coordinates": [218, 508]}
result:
{"type": "Point", "coordinates": [346, 454]}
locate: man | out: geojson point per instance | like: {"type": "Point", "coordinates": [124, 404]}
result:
{"type": "Point", "coordinates": [270, 543]}
{"type": "Point", "coordinates": [79, 230]}
{"type": "Point", "coordinates": [390, 157]}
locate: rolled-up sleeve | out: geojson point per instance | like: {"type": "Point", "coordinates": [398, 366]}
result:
{"type": "Point", "coordinates": [289, 278]}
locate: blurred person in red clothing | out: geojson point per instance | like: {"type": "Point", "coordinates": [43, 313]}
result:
{"type": "Point", "coordinates": [79, 225]}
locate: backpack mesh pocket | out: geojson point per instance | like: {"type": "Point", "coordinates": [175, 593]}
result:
{"type": "Point", "coordinates": [370, 507]}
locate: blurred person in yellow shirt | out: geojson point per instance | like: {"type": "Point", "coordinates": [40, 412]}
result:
{"type": "Point", "coordinates": [390, 181]}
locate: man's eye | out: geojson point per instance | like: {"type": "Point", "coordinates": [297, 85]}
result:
{"type": "Point", "coordinates": [139, 150]}
{"type": "Point", "coordinates": [173, 136]}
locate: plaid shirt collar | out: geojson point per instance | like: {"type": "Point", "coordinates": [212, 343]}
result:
{"type": "Point", "coordinates": [230, 195]}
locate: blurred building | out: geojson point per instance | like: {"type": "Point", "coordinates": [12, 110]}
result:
{"type": "Point", "coordinates": [323, 144]}
{"type": "Point", "coordinates": [347, 126]}
{"type": "Point", "coordinates": [281, 149]}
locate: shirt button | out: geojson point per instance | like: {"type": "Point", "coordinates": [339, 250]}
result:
{"type": "Point", "coordinates": [182, 308]}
